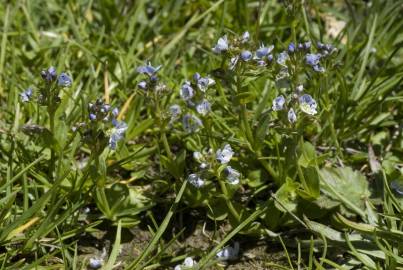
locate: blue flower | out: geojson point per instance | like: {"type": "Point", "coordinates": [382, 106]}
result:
{"type": "Point", "coordinates": [117, 133]}
{"type": "Point", "coordinates": [291, 47]}
{"type": "Point", "coordinates": [191, 123]}
{"type": "Point", "coordinates": [245, 37]}
{"type": "Point", "coordinates": [232, 175]}
{"type": "Point", "coordinates": [142, 85]}
{"type": "Point", "coordinates": [196, 77]}
{"type": "Point", "coordinates": [270, 57]}
{"type": "Point", "coordinates": [307, 45]}
{"type": "Point", "coordinates": [292, 117]}
{"type": "Point", "coordinates": [278, 103]}
{"type": "Point", "coordinates": [186, 91]}
{"type": "Point", "coordinates": [261, 63]}
{"type": "Point", "coordinates": [312, 59]}
{"type": "Point", "coordinates": [92, 116]}
{"type": "Point", "coordinates": [224, 155]}
{"type": "Point", "coordinates": [115, 112]}
{"type": "Point", "coordinates": [148, 70]}
{"type": "Point", "coordinates": [105, 108]}
{"type": "Point", "coordinates": [195, 180]}
{"type": "Point", "coordinates": [64, 80]}
{"type": "Point", "coordinates": [222, 45]}
{"type": "Point", "coordinates": [203, 107]}
{"type": "Point", "coordinates": [282, 58]}
{"type": "Point", "coordinates": [308, 104]}
{"type": "Point", "coordinates": [26, 95]}
{"type": "Point", "coordinates": [300, 46]}
{"type": "Point", "coordinates": [49, 75]}
{"type": "Point", "coordinates": [263, 51]}
{"type": "Point", "coordinates": [246, 55]}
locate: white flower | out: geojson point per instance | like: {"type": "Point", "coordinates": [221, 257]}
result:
{"type": "Point", "coordinates": [117, 133]}
{"type": "Point", "coordinates": [245, 37]}
{"type": "Point", "coordinates": [300, 88]}
{"type": "Point", "coordinates": [224, 155]}
{"type": "Point", "coordinates": [188, 263]}
{"type": "Point", "coordinates": [195, 180]}
{"type": "Point", "coordinates": [203, 165]}
{"type": "Point", "coordinates": [222, 45]}
{"type": "Point", "coordinates": [308, 104]}
{"type": "Point", "coordinates": [26, 95]}
{"type": "Point", "coordinates": [228, 253]}
{"type": "Point", "coordinates": [203, 107]}
{"type": "Point", "coordinates": [64, 80]}
{"type": "Point", "coordinates": [232, 175]}
{"type": "Point", "coordinates": [95, 263]}
{"type": "Point", "coordinates": [204, 83]}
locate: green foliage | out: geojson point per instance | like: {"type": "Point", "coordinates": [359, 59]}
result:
{"type": "Point", "coordinates": [325, 188]}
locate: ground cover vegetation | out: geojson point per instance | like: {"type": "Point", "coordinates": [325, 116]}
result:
{"type": "Point", "coordinates": [201, 134]}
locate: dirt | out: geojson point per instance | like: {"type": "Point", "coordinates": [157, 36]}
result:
{"type": "Point", "coordinates": [196, 239]}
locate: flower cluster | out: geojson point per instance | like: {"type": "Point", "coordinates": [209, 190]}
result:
{"type": "Point", "coordinates": [306, 104]}
{"type": "Point", "coordinates": [239, 50]}
{"type": "Point", "coordinates": [103, 125]}
{"type": "Point", "coordinates": [194, 94]}
{"type": "Point", "coordinates": [151, 83]}
{"type": "Point", "coordinates": [212, 161]}
{"type": "Point", "coordinates": [286, 66]}
{"type": "Point", "coordinates": [50, 92]}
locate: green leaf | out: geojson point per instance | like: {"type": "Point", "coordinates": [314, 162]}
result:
{"type": "Point", "coordinates": [287, 195]}
{"type": "Point", "coordinates": [176, 165]}
{"type": "Point", "coordinates": [115, 250]}
{"type": "Point", "coordinates": [347, 186]}
{"type": "Point", "coordinates": [310, 182]}
{"type": "Point", "coordinates": [308, 155]}
{"type": "Point", "coordinates": [218, 209]}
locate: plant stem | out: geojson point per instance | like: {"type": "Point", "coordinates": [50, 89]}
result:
{"type": "Point", "coordinates": [165, 143]}
{"type": "Point", "coordinates": [228, 201]}
{"type": "Point", "coordinates": [51, 113]}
